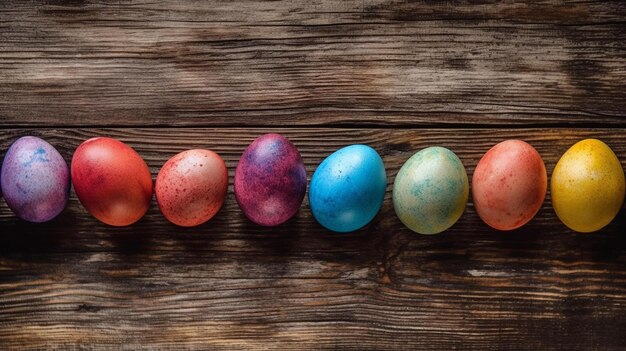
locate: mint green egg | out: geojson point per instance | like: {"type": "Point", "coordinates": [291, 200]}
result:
{"type": "Point", "coordinates": [430, 191]}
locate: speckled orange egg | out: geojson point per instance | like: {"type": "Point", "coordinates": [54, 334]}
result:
{"type": "Point", "coordinates": [509, 185]}
{"type": "Point", "coordinates": [111, 180]}
{"type": "Point", "coordinates": [191, 187]}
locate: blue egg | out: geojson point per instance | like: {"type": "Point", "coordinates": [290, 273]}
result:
{"type": "Point", "coordinates": [348, 188]}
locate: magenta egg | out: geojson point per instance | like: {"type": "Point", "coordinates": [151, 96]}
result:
{"type": "Point", "coordinates": [270, 180]}
{"type": "Point", "coordinates": [35, 180]}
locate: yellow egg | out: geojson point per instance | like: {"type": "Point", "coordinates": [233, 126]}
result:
{"type": "Point", "coordinates": [587, 186]}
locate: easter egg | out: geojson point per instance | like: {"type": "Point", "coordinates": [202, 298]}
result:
{"type": "Point", "coordinates": [111, 181]}
{"type": "Point", "coordinates": [348, 188]}
{"type": "Point", "coordinates": [35, 180]}
{"type": "Point", "coordinates": [191, 186]}
{"type": "Point", "coordinates": [431, 190]}
{"type": "Point", "coordinates": [509, 185]}
{"type": "Point", "coordinates": [270, 180]}
{"type": "Point", "coordinates": [587, 186]}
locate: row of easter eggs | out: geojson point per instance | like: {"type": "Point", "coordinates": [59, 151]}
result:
{"type": "Point", "coordinates": [430, 191]}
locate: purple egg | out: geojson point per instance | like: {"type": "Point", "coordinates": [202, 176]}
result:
{"type": "Point", "coordinates": [270, 180]}
{"type": "Point", "coordinates": [35, 180]}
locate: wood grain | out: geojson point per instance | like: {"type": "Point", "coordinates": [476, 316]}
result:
{"type": "Point", "coordinates": [77, 284]}
{"type": "Point", "coordinates": [302, 62]}
{"type": "Point", "coordinates": [399, 75]}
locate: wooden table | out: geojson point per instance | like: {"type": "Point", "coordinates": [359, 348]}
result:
{"type": "Point", "coordinates": [165, 76]}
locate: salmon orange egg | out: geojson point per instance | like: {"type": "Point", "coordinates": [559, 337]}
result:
{"type": "Point", "coordinates": [509, 185]}
{"type": "Point", "coordinates": [191, 186]}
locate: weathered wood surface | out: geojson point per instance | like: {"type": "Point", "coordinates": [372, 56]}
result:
{"type": "Point", "coordinates": [166, 76]}
{"type": "Point", "coordinates": [230, 284]}
{"type": "Point", "coordinates": [303, 62]}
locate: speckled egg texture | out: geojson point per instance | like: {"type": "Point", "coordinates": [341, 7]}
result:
{"type": "Point", "coordinates": [587, 186]}
{"type": "Point", "coordinates": [35, 180]}
{"type": "Point", "coordinates": [111, 180]}
{"type": "Point", "coordinates": [431, 190]}
{"type": "Point", "coordinates": [270, 180]}
{"type": "Point", "coordinates": [348, 188]}
{"type": "Point", "coordinates": [191, 186]}
{"type": "Point", "coordinates": [509, 185]}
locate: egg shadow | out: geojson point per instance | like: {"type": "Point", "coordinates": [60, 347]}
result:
{"type": "Point", "coordinates": [280, 239]}
{"type": "Point", "coordinates": [612, 245]}
{"type": "Point", "coordinates": [131, 240]}
{"type": "Point", "coordinates": [199, 240]}
{"type": "Point", "coordinates": [363, 246]}
{"type": "Point", "coordinates": [33, 239]}
{"type": "Point", "coordinates": [21, 237]}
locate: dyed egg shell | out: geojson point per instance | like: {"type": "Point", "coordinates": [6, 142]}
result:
{"type": "Point", "coordinates": [587, 186]}
{"type": "Point", "coordinates": [431, 190]}
{"type": "Point", "coordinates": [111, 181]}
{"type": "Point", "coordinates": [509, 185]}
{"type": "Point", "coordinates": [191, 186]}
{"type": "Point", "coordinates": [270, 180]}
{"type": "Point", "coordinates": [348, 188]}
{"type": "Point", "coordinates": [35, 180]}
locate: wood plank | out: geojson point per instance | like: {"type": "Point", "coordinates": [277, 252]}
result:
{"type": "Point", "coordinates": [302, 62]}
{"type": "Point", "coordinates": [229, 284]}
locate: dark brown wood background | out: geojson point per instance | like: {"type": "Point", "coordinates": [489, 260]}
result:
{"type": "Point", "coordinates": [165, 76]}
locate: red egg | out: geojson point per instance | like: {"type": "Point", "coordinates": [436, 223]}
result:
{"type": "Point", "coordinates": [191, 187]}
{"type": "Point", "coordinates": [111, 181]}
{"type": "Point", "coordinates": [509, 185]}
